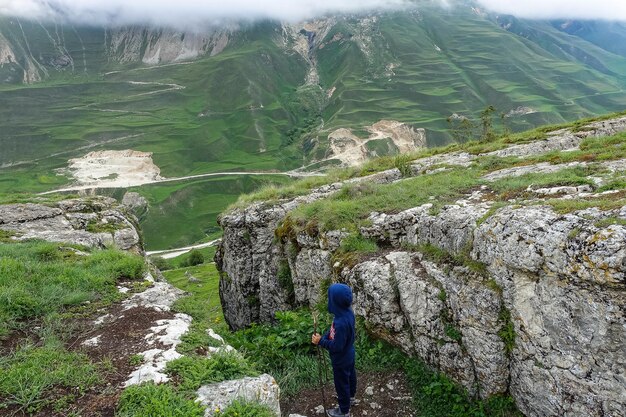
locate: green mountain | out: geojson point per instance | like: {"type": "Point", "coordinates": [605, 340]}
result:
{"type": "Point", "coordinates": [266, 96]}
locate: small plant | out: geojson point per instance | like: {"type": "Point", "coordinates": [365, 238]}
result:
{"type": "Point", "coordinates": [150, 400]}
{"type": "Point", "coordinates": [136, 360]}
{"type": "Point", "coordinates": [95, 226]}
{"type": "Point", "coordinates": [403, 163]}
{"type": "Point", "coordinates": [462, 129]}
{"type": "Point", "coordinates": [5, 236]}
{"type": "Point", "coordinates": [285, 280]}
{"type": "Point", "coordinates": [610, 221]}
{"type": "Point", "coordinates": [486, 124]}
{"type": "Point", "coordinates": [240, 408]}
{"type": "Point", "coordinates": [356, 243]}
{"type": "Point", "coordinates": [507, 331]}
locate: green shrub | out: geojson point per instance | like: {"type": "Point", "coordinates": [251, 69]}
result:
{"type": "Point", "coordinates": [239, 408]}
{"type": "Point", "coordinates": [30, 373]}
{"type": "Point", "coordinates": [193, 372]}
{"type": "Point", "coordinates": [195, 258]}
{"type": "Point", "coordinates": [150, 400]}
{"type": "Point", "coordinates": [161, 264]}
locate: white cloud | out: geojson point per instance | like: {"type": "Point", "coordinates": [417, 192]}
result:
{"type": "Point", "coordinates": [194, 14]}
{"type": "Point", "coordinates": [184, 13]}
{"type": "Point", "coordinates": [565, 9]}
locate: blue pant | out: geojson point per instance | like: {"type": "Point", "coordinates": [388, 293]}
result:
{"type": "Point", "coordinates": [345, 384]}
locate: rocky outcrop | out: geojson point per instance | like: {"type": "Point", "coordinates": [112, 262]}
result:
{"type": "Point", "coordinates": [94, 222]}
{"type": "Point", "coordinates": [153, 47]}
{"type": "Point", "coordinates": [517, 300]}
{"type": "Point", "coordinates": [263, 390]}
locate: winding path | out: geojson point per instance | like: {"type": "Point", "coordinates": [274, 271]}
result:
{"type": "Point", "coordinates": [105, 185]}
{"type": "Point", "coordinates": [173, 253]}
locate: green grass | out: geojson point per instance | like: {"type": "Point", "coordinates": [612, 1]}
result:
{"type": "Point", "coordinates": [38, 279]}
{"type": "Point", "coordinates": [350, 206]}
{"type": "Point", "coordinates": [610, 202]}
{"type": "Point", "coordinates": [150, 400]}
{"type": "Point", "coordinates": [191, 373]}
{"type": "Point", "coordinates": [41, 285]}
{"type": "Point", "coordinates": [203, 304]}
{"type": "Point", "coordinates": [566, 177]}
{"type": "Point", "coordinates": [245, 409]}
{"type": "Point", "coordinates": [30, 374]}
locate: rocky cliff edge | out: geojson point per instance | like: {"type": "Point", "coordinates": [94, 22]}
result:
{"type": "Point", "coordinates": [513, 296]}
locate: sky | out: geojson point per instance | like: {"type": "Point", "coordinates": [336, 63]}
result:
{"type": "Point", "coordinates": [186, 13]}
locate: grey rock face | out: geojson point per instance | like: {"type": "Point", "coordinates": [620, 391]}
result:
{"type": "Point", "coordinates": [529, 301]}
{"type": "Point", "coordinates": [93, 222]}
{"type": "Point", "coordinates": [135, 202]}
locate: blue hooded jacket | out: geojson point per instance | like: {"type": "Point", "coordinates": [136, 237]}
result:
{"type": "Point", "coordinates": [339, 341]}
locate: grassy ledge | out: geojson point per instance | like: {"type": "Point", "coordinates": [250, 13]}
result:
{"type": "Point", "coordinates": [591, 149]}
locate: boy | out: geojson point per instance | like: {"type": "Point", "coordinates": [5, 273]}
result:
{"type": "Point", "coordinates": [339, 342]}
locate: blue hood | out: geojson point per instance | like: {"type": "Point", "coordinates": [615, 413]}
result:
{"type": "Point", "coordinates": [339, 299]}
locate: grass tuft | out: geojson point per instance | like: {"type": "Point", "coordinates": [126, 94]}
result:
{"type": "Point", "coordinates": [240, 408]}
{"type": "Point", "coordinates": [150, 400]}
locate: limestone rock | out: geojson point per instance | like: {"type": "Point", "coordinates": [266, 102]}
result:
{"type": "Point", "coordinates": [94, 222]}
{"type": "Point", "coordinates": [135, 202]}
{"type": "Point", "coordinates": [263, 389]}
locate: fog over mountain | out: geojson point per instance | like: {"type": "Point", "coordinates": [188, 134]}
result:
{"type": "Point", "coordinates": [187, 14]}
{"type": "Point", "coordinates": [614, 10]}
{"type": "Point", "coordinates": [184, 13]}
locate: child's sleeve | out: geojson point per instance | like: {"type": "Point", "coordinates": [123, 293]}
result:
{"type": "Point", "coordinates": [338, 343]}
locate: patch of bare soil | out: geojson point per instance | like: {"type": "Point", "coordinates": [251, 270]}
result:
{"type": "Point", "coordinates": [379, 395]}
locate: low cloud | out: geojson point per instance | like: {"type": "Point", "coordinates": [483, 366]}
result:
{"type": "Point", "coordinates": [560, 9]}
{"type": "Point", "coordinates": [196, 14]}
{"type": "Point", "coordinates": [184, 13]}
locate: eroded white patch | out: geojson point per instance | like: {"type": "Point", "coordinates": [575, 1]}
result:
{"type": "Point", "coordinates": [351, 150]}
{"type": "Point", "coordinates": [215, 336]}
{"type": "Point", "coordinates": [100, 320]}
{"type": "Point", "coordinates": [168, 333]}
{"type": "Point", "coordinates": [114, 169]}
{"type": "Point", "coordinates": [94, 341]}
{"type": "Point", "coordinates": [161, 296]}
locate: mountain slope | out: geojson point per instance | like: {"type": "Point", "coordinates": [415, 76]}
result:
{"type": "Point", "coordinates": [266, 96]}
